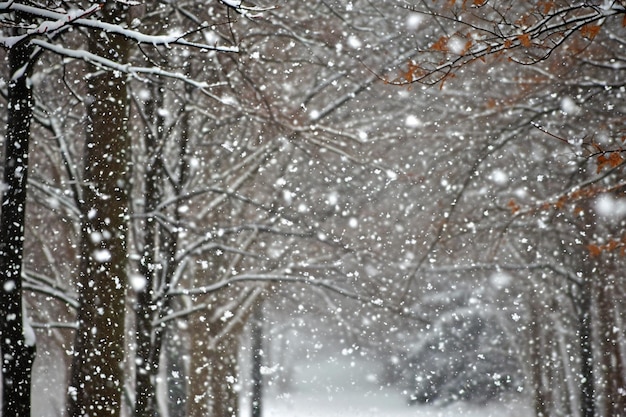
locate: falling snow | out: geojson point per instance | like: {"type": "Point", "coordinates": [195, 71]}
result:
{"type": "Point", "coordinates": [348, 208]}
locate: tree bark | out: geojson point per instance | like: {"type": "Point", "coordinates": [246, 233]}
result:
{"type": "Point", "coordinates": [257, 360]}
{"type": "Point", "coordinates": [176, 348]}
{"type": "Point", "coordinates": [224, 372]}
{"type": "Point", "coordinates": [147, 360]}
{"type": "Point", "coordinates": [536, 362]}
{"type": "Point", "coordinates": [18, 353]}
{"type": "Point", "coordinates": [158, 263]}
{"type": "Point", "coordinates": [214, 368]}
{"type": "Point", "coordinates": [585, 337]}
{"type": "Point", "coordinates": [199, 367]}
{"type": "Point", "coordinates": [97, 377]}
{"type": "Point", "coordinates": [612, 376]}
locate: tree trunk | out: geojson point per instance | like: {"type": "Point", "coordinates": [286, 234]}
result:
{"type": "Point", "coordinates": [257, 360]}
{"type": "Point", "coordinates": [214, 366]}
{"type": "Point", "coordinates": [224, 371]}
{"type": "Point", "coordinates": [585, 337]}
{"type": "Point", "coordinates": [620, 370]}
{"type": "Point", "coordinates": [199, 367]}
{"type": "Point", "coordinates": [97, 377]}
{"type": "Point", "coordinates": [536, 362]}
{"type": "Point", "coordinates": [175, 351]}
{"type": "Point", "coordinates": [147, 360]}
{"type": "Point", "coordinates": [158, 263]}
{"type": "Point", "coordinates": [614, 394]}
{"type": "Point", "coordinates": [18, 353]}
{"type": "Point", "coordinates": [213, 371]}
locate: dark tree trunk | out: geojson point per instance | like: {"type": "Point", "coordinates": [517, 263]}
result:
{"type": "Point", "coordinates": [145, 310]}
{"type": "Point", "coordinates": [257, 360]}
{"type": "Point", "coordinates": [18, 353]}
{"type": "Point", "coordinates": [97, 377]}
{"type": "Point", "coordinates": [158, 262]}
{"type": "Point", "coordinates": [536, 362]}
{"type": "Point", "coordinates": [223, 396]}
{"type": "Point", "coordinates": [213, 370]}
{"type": "Point", "coordinates": [175, 350]}
{"type": "Point", "coordinates": [612, 372]}
{"type": "Point", "coordinates": [585, 336]}
{"type": "Point", "coordinates": [214, 367]}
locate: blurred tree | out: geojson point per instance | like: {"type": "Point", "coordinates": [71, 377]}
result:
{"type": "Point", "coordinates": [554, 63]}
{"type": "Point", "coordinates": [464, 355]}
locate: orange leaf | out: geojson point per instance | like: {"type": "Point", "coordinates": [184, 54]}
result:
{"type": "Point", "coordinates": [413, 72]}
{"type": "Point", "coordinates": [507, 44]}
{"type": "Point", "coordinates": [615, 159]}
{"type": "Point", "coordinates": [594, 250]}
{"type": "Point", "coordinates": [525, 39]}
{"type": "Point", "coordinates": [602, 161]}
{"type": "Point", "coordinates": [441, 44]}
{"type": "Point", "coordinates": [590, 31]}
{"type": "Point", "coordinates": [513, 206]}
{"type": "Point", "coordinates": [479, 3]}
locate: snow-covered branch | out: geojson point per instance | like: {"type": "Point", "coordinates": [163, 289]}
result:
{"type": "Point", "coordinates": [308, 280]}
{"type": "Point", "coordinates": [108, 64]}
{"type": "Point", "coordinates": [243, 279]}
{"type": "Point", "coordinates": [78, 17]}
{"type": "Point", "coordinates": [40, 284]}
{"type": "Point", "coordinates": [246, 10]}
{"type": "Point", "coordinates": [47, 26]}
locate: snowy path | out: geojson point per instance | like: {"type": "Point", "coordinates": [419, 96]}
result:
{"type": "Point", "coordinates": [376, 404]}
{"type": "Point", "coordinates": [341, 390]}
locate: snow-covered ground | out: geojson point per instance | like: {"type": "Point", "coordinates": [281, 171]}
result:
{"type": "Point", "coordinates": [338, 389]}
{"type": "Point", "coordinates": [376, 404]}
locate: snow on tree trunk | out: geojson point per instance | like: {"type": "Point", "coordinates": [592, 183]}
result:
{"type": "Point", "coordinates": [224, 396]}
{"type": "Point", "coordinates": [612, 380]}
{"type": "Point", "coordinates": [257, 359]}
{"type": "Point", "coordinates": [147, 360]}
{"type": "Point", "coordinates": [585, 336]}
{"type": "Point", "coordinates": [197, 405]}
{"type": "Point", "coordinates": [18, 353]}
{"type": "Point", "coordinates": [213, 372]}
{"type": "Point", "coordinates": [97, 377]}
{"type": "Point", "coordinates": [175, 351]}
{"type": "Point", "coordinates": [214, 361]}
{"type": "Point", "coordinates": [536, 364]}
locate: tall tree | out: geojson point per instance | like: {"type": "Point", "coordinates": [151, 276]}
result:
{"type": "Point", "coordinates": [16, 346]}
{"type": "Point", "coordinates": [98, 373]}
